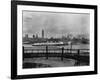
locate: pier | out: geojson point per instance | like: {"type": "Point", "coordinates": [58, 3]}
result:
{"type": "Point", "coordinates": [81, 55]}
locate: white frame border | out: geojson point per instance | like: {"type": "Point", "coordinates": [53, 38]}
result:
{"type": "Point", "coordinates": [21, 71]}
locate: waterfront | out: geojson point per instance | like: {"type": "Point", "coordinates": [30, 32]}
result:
{"type": "Point", "coordinates": [55, 39]}
{"type": "Point", "coordinates": [77, 46]}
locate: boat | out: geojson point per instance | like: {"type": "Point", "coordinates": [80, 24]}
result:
{"type": "Point", "coordinates": [48, 44]}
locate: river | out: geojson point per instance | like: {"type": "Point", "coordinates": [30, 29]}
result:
{"type": "Point", "coordinates": [77, 46]}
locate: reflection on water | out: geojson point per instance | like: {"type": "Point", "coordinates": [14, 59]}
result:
{"type": "Point", "coordinates": [78, 46]}
{"type": "Point", "coordinates": [40, 62]}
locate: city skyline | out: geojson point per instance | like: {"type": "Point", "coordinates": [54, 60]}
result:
{"type": "Point", "coordinates": [55, 24]}
{"type": "Point", "coordinates": [66, 35]}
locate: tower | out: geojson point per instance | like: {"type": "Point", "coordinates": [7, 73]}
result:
{"type": "Point", "coordinates": [26, 36]}
{"type": "Point", "coordinates": [42, 33]}
{"type": "Point", "coordinates": [33, 36]}
{"type": "Point", "coordinates": [36, 35]}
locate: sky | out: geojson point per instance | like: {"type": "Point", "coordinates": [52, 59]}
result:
{"type": "Point", "coordinates": [55, 24]}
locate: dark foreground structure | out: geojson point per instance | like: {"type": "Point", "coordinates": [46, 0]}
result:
{"type": "Point", "coordinates": [80, 56]}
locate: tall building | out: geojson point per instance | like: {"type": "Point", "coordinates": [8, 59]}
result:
{"type": "Point", "coordinates": [42, 33]}
{"type": "Point", "coordinates": [26, 36]}
{"type": "Point", "coordinates": [33, 36]}
{"type": "Point", "coordinates": [36, 35]}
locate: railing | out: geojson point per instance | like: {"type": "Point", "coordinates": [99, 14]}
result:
{"type": "Point", "coordinates": [58, 52]}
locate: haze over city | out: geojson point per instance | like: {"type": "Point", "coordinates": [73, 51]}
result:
{"type": "Point", "coordinates": [55, 24]}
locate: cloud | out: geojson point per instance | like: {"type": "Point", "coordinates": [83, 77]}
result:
{"type": "Point", "coordinates": [54, 23]}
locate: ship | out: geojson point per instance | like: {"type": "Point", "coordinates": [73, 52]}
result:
{"type": "Point", "coordinates": [48, 44]}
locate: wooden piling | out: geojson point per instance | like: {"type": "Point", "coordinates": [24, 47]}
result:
{"type": "Point", "coordinates": [62, 54]}
{"type": "Point", "coordinates": [23, 52]}
{"type": "Point", "coordinates": [78, 56]}
{"type": "Point", "coordinates": [46, 52]}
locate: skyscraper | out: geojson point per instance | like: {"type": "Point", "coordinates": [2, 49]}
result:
{"type": "Point", "coordinates": [33, 36]}
{"type": "Point", "coordinates": [36, 35]}
{"type": "Point", "coordinates": [26, 36]}
{"type": "Point", "coordinates": [42, 33]}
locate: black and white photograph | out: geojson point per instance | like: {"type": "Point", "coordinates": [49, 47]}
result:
{"type": "Point", "coordinates": [53, 39]}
